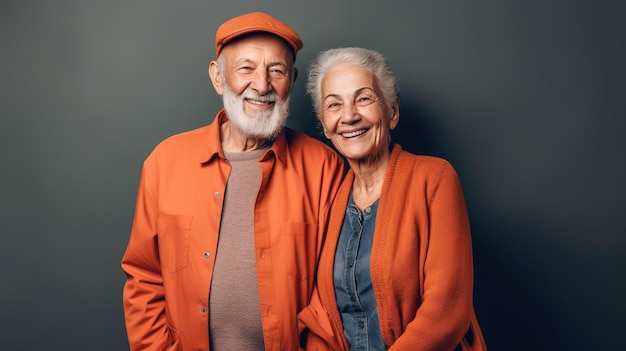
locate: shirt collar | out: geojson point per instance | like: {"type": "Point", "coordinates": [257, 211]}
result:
{"type": "Point", "coordinates": [212, 146]}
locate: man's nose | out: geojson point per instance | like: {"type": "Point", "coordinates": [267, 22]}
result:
{"type": "Point", "coordinates": [261, 82]}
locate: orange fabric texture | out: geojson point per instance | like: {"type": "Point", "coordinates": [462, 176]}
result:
{"type": "Point", "coordinates": [173, 241]}
{"type": "Point", "coordinates": [255, 22]}
{"type": "Point", "coordinates": [421, 263]}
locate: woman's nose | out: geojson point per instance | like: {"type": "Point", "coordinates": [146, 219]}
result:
{"type": "Point", "coordinates": [349, 113]}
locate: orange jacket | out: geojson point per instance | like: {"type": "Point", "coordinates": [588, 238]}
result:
{"type": "Point", "coordinates": [169, 258]}
{"type": "Point", "coordinates": [421, 263]}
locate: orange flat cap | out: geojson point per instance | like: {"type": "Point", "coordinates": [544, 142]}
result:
{"type": "Point", "coordinates": [255, 22]}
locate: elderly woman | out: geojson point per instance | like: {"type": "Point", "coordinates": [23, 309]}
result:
{"type": "Point", "coordinates": [396, 269]}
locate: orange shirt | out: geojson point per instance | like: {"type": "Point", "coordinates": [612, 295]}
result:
{"type": "Point", "coordinates": [170, 254]}
{"type": "Point", "coordinates": [421, 263]}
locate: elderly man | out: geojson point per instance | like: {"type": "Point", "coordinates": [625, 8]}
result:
{"type": "Point", "coordinates": [230, 217]}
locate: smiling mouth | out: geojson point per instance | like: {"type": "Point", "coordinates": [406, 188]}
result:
{"type": "Point", "coordinates": [354, 134]}
{"type": "Point", "coordinates": [260, 102]}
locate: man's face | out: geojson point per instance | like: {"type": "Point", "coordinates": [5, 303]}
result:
{"type": "Point", "coordinates": [257, 75]}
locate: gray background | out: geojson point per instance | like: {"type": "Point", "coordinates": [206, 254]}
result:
{"type": "Point", "coordinates": [525, 98]}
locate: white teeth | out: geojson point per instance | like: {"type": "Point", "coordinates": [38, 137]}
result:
{"type": "Point", "coordinates": [353, 134]}
{"type": "Point", "coordinates": [257, 102]}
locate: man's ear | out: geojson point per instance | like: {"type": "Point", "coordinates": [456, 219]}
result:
{"type": "Point", "coordinates": [294, 76]}
{"type": "Point", "coordinates": [216, 77]}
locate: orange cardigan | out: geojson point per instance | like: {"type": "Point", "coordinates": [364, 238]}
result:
{"type": "Point", "coordinates": [421, 263]}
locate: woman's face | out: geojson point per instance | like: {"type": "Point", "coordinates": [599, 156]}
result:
{"type": "Point", "coordinates": [354, 115]}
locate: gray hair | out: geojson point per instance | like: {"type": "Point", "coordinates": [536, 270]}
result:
{"type": "Point", "coordinates": [371, 60]}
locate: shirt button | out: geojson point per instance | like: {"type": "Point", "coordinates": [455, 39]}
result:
{"type": "Point", "coordinates": [353, 298]}
{"type": "Point", "coordinates": [368, 209]}
{"type": "Point", "coordinates": [361, 324]}
{"type": "Point", "coordinates": [217, 194]}
{"type": "Point", "coordinates": [351, 263]}
{"type": "Point", "coordinates": [203, 309]}
{"type": "Point", "coordinates": [207, 254]}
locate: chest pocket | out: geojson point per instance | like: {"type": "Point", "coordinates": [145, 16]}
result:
{"type": "Point", "coordinates": [173, 233]}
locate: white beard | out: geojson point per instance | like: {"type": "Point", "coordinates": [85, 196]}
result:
{"type": "Point", "coordinates": [258, 124]}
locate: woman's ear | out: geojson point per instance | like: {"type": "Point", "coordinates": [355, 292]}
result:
{"type": "Point", "coordinates": [326, 133]}
{"type": "Point", "coordinates": [395, 114]}
{"type": "Point", "coordinates": [216, 77]}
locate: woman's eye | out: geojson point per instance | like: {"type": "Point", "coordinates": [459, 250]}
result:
{"type": "Point", "coordinates": [333, 106]}
{"type": "Point", "coordinates": [364, 100]}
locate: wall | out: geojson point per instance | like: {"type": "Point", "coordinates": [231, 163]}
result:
{"type": "Point", "coordinates": [525, 98]}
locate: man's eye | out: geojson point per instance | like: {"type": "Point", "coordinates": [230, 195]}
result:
{"type": "Point", "coordinates": [277, 73]}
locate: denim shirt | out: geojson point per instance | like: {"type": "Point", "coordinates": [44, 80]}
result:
{"type": "Point", "coordinates": [353, 283]}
